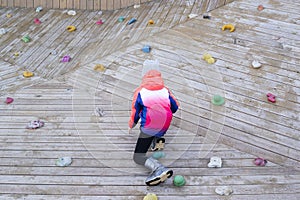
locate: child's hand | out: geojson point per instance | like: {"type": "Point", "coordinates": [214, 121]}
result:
{"type": "Point", "coordinates": [130, 130]}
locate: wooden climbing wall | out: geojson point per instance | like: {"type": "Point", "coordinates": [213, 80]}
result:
{"type": "Point", "coordinates": [72, 4]}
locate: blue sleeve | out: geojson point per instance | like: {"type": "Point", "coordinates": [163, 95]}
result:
{"type": "Point", "coordinates": [174, 106]}
{"type": "Point", "coordinates": [138, 107]}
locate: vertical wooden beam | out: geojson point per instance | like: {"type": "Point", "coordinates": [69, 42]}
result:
{"type": "Point", "coordinates": [43, 3]}
{"type": "Point", "coordinates": [29, 4]}
{"type": "Point", "coordinates": [117, 4]}
{"type": "Point", "coordinates": [16, 3]}
{"type": "Point", "coordinates": [63, 4]}
{"type": "Point", "coordinates": [55, 3]}
{"type": "Point", "coordinates": [76, 4]}
{"type": "Point", "coordinates": [70, 4]}
{"type": "Point", "coordinates": [4, 3]}
{"type": "Point", "coordinates": [23, 3]}
{"type": "Point", "coordinates": [103, 5]}
{"type": "Point", "coordinates": [90, 5]}
{"type": "Point", "coordinates": [49, 4]}
{"type": "Point", "coordinates": [125, 3]}
{"type": "Point", "coordinates": [97, 4]}
{"type": "Point", "coordinates": [83, 4]}
{"type": "Point", "coordinates": [110, 5]}
{"type": "Point", "coordinates": [10, 3]}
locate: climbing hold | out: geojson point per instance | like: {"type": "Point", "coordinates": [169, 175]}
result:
{"type": "Point", "coordinates": [218, 100]}
{"type": "Point", "coordinates": [179, 181]}
{"type": "Point", "coordinates": [150, 196]}
{"type": "Point", "coordinates": [191, 16]}
{"type": "Point", "coordinates": [131, 21]}
{"type": "Point", "coordinates": [99, 68]}
{"type": "Point", "coordinates": [136, 6]}
{"type": "Point", "coordinates": [230, 27]}
{"type": "Point", "coordinates": [9, 100]}
{"type": "Point", "coordinates": [71, 28]}
{"type": "Point", "coordinates": [260, 7]}
{"type": "Point", "coordinates": [66, 59]}
{"type": "Point", "coordinates": [224, 190]}
{"type": "Point", "coordinates": [100, 22]}
{"type": "Point", "coordinates": [39, 9]}
{"type": "Point", "coordinates": [208, 58]}
{"type": "Point", "coordinates": [146, 49]}
{"type": "Point", "coordinates": [271, 97]}
{"type": "Point", "coordinates": [206, 16]}
{"type": "Point", "coordinates": [158, 154]}
{"type": "Point", "coordinates": [256, 64]}
{"type": "Point", "coordinates": [37, 21]}
{"type": "Point", "coordinates": [71, 12]}
{"type": "Point", "coordinates": [3, 31]}
{"type": "Point", "coordinates": [99, 112]}
{"type": "Point", "coordinates": [27, 74]}
{"type": "Point", "coordinates": [26, 39]}
{"type": "Point", "coordinates": [121, 18]}
{"type": "Point", "coordinates": [260, 162]}
{"type": "Point", "coordinates": [63, 161]}
{"type": "Point", "coordinates": [215, 162]}
{"type": "Point", "coordinates": [8, 15]}
{"type": "Point", "coordinates": [150, 22]}
{"type": "Point", "coordinates": [35, 124]}
{"type": "Point", "coordinates": [53, 52]}
{"type": "Point", "coordinates": [16, 54]}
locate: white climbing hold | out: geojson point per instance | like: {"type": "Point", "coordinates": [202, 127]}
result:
{"type": "Point", "coordinates": [3, 31]}
{"type": "Point", "coordinates": [215, 162]}
{"type": "Point", "coordinates": [224, 190]}
{"type": "Point", "coordinates": [256, 64]}
{"type": "Point", "coordinates": [63, 161]}
{"type": "Point", "coordinates": [136, 6]}
{"type": "Point", "coordinates": [39, 9]}
{"type": "Point", "coordinates": [71, 12]}
{"type": "Point", "coordinates": [191, 16]}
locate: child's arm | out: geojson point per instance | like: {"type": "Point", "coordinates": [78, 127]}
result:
{"type": "Point", "coordinates": [173, 101]}
{"type": "Point", "coordinates": [135, 110]}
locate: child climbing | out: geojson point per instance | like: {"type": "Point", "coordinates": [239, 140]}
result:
{"type": "Point", "coordinates": [154, 104]}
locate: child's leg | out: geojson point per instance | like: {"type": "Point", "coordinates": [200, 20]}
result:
{"type": "Point", "coordinates": [142, 145]}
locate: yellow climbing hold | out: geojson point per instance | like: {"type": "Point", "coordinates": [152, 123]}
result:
{"type": "Point", "coordinates": [230, 27]}
{"type": "Point", "coordinates": [71, 28]}
{"type": "Point", "coordinates": [8, 15]}
{"type": "Point", "coordinates": [99, 68]}
{"type": "Point", "coordinates": [208, 58]}
{"type": "Point", "coordinates": [27, 74]}
{"type": "Point", "coordinates": [150, 22]}
{"type": "Point", "coordinates": [150, 197]}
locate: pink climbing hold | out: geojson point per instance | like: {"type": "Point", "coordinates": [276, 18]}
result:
{"type": "Point", "coordinates": [37, 21]}
{"type": "Point", "coordinates": [100, 22]}
{"type": "Point", "coordinates": [9, 100]}
{"type": "Point", "coordinates": [271, 97]}
{"type": "Point", "coordinates": [260, 162]}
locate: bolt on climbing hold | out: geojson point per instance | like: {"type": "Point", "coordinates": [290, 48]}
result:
{"type": "Point", "coordinates": [99, 68]}
{"type": "Point", "coordinates": [150, 22]}
{"type": "Point", "coordinates": [191, 16]}
{"type": "Point", "coordinates": [206, 16]}
{"type": "Point", "coordinates": [9, 100]}
{"type": "Point", "coordinates": [27, 74]}
{"type": "Point", "coordinates": [26, 39]}
{"type": "Point", "coordinates": [131, 21]}
{"type": "Point", "coordinates": [100, 22]}
{"type": "Point", "coordinates": [260, 7]}
{"type": "Point", "coordinates": [256, 64]}
{"type": "Point", "coordinates": [71, 12]}
{"type": "Point", "coordinates": [215, 162]}
{"type": "Point", "coordinates": [3, 31]}
{"type": "Point", "coordinates": [260, 162]}
{"type": "Point", "coordinates": [39, 9]}
{"type": "Point", "coordinates": [71, 28]}
{"type": "Point", "coordinates": [66, 59]}
{"type": "Point", "coordinates": [271, 97]}
{"type": "Point", "coordinates": [218, 100]}
{"type": "Point", "coordinates": [179, 181]}
{"type": "Point", "coordinates": [63, 161]}
{"type": "Point", "coordinates": [35, 124]}
{"type": "Point", "coordinates": [224, 190]}
{"type": "Point", "coordinates": [229, 27]}
{"type": "Point", "coordinates": [37, 21]}
{"type": "Point", "coordinates": [121, 19]}
{"type": "Point", "coordinates": [146, 49]}
{"type": "Point", "coordinates": [208, 58]}
{"type": "Point", "coordinates": [150, 196]}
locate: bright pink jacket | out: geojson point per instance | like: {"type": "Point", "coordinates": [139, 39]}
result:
{"type": "Point", "coordinates": [154, 104]}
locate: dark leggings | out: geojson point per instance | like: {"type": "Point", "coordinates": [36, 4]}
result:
{"type": "Point", "coordinates": [142, 145]}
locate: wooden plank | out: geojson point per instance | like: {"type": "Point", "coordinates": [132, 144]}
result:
{"type": "Point", "coordinates": [62, 4]}
{"type": "Point", "coordinates": [83, 4]}
{"type": "Point", "coordinates": [49, 3]}
{"type": "Point", "coordinates": [117, 4]}
{"type": "Point", "coordinates": [97, 4]}
{"type": "Point", "coordinates": [125, 3]}
{"type": "Point", "coordinates": [10, 3]}
{"type": "Point", "coordinates": [70, 4]}
{"type": "Point", "coordinates": [110, 5]}
{"type": "Point", "coordinates": [29, 4]}
{"type": "Point", "coordinates": [90, 5]}
{"type": "Point", "coordinates": [56, 3]}
{"type": "Point", "coordinates": [77, 4]}
{"type": "Point", "coordinates": [4, 3]}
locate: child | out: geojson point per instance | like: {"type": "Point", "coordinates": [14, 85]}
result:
{"type": "Point", "coordinates": [154, 104]}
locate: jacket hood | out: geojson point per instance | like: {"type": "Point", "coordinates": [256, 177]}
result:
{"type": "Point", "coordinates": [152, 80]}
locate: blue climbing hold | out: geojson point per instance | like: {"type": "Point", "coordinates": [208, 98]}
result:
{"type": "Point", "coordinates": [131, 21]}
{"type": "Point", "coordinates": [146, 49]}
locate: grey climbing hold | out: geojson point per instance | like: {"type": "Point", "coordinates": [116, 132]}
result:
{"type": "Point", "coordinates": [63, 161]}
{"type": "Point", "coordinates": [224, 190]}
{"type": "Point", "coordinates": [215, 162]}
